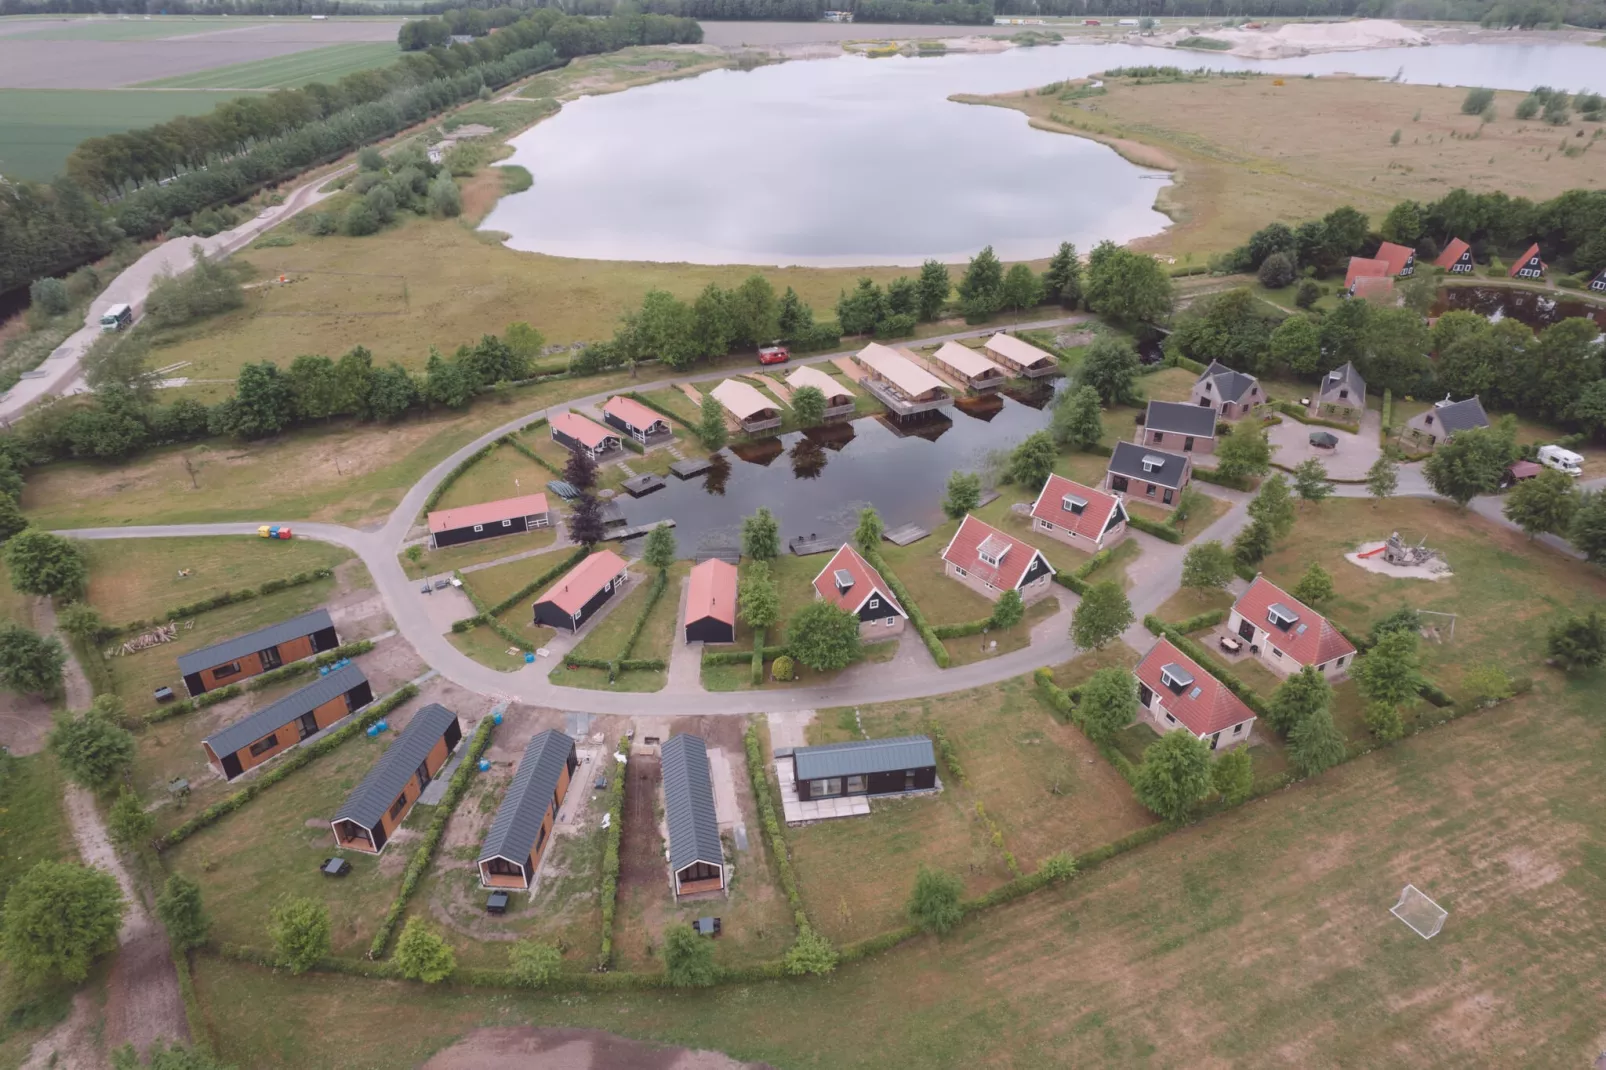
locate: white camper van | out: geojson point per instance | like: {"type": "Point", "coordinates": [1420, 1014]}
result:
{"type": "Point", "coordinates": [117, 318]}
{"type": "Point", "coordinates": [1561, 460]}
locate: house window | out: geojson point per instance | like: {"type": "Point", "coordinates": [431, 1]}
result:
{"type": "Point", "coordinates": [1237, 728]}
{"type": "Point", "coordinates": [1159, 437]}
{"type": "Point", "coordinates": [893, 619]}
{"type": "Point", "coordinates": [875, 603]}
{"type": "Point", "coordinates": [1151, 490]}
{"type": "Point", "coordinates": [398, 806]}
{"type": "Point", "coordinates": [507, 523]}
{"type": "Point", "coordinates": [1342, 394]}
{"type": "Point", "coordinates": [501, 867]}
{"type": "Point", "coordinates": [960, 572]}
{"type": "Point", "coordinates": [857, 785]}
{"type": "Point", "coordinates": [479, 528]}
{"type": "Point", "coordinates": [1118, 483]}
{"type": "Point", "coordinates": [1340, 662]}
{"type": "Point", "coordinates": [986, 557]}
{"type": "Point", "coordinates": [262, 746]}
{"type": "Point", "coordinates": [1170, 719]}
{"type": "Point", "coordinates": [1276, 653]}
{"type": "Point", "coordinates": [1428, 419]}
{"type": "Point", "coordinates": [829, 786]}
{"type": "Point", "coordinates": [226, 670]}
{"type": "Point", "coordinates": [1167, 497]}
{"type": "Point", "coordinates": [1073, 504]}
{"type": "Point", "coordinates": [909, 780]}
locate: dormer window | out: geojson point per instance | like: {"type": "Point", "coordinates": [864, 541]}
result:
{"type": "Point", "coordinates": [1176, 677]}
{"type": "Point", "coordinates": [1281, 616]}
{"type": "Point", "coordinates": [844, 580]}
{"type": "Point", "coordinates": [1073, 504]}
{"type": "Point", "coordinates": [1151, 463]}
{"type": "Point", "coordinates": [992, 550]}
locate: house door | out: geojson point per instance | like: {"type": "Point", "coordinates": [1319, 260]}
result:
{"type": "Point", "coordinates": [1187, 444]}
{"type": "Point", "coordinates": [423, 775]}
{"type": "Point", "coordinates": [1204, 402]}
{"type": "Point", "coordinates": [271, 659]}
{"type": "Point", "coordinates": [1145, 696]}
{"type": "Point", "coordinates": [1226, 407]}
{"type": "Point", "coordinates": [1214, 740]}
{"type": "Point", "coordinates": [1246, 630]}
{"type": "Point", "coordinates": [309, 724]}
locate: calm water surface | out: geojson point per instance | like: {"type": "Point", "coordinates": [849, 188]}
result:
{"type": "Point", "coordinates": [858, 161]}
{"type": "Point", "coordinates": [816, 481]}
{"type": "Point", "coordinates": [1537, 310]}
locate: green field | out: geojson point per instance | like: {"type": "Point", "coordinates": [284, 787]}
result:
{"type": "Point", "coordinates": [39, 127]}
{"type": "Point", "coordinates": [127, 29]}
{"type": "Point", "coordinates": [285, 72]}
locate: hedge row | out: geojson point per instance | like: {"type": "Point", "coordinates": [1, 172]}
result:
{"type": "Point", "coordinates": [1164, 532]}
{"type": "Point", "coordinates": [221, 599]}
{"type": "Point", "coordinates": [997, 836]}
{"type": "Point", "coordinates": [655, 592]}
{"type": "Point", "coordinates": [1209, 664]}
{"type": "Point", "coordinates": [520, 595]}
{"type": "Point", "coordinates": [1061, 703]}
{"type": "Point", "coordinates": [256, 683]}
{"type": "Point", "coordinates": [939, 653]}
{"type": "Point", "coordinates": [457, 473]}
{"type": "Point", "coordinates": [519, 445]}
{"type": "Point", "coordinates": [286, 765]}
{"type": "Point", "coordinates": [1288, 408]}
{"type": "Point", "coordinates": [945, 750]}
{"type": "Point", "coordinates": [755, 672]}
{"type": "Point", "coordinates": [1177, 360]}
{"type": "Point", "coordinates": [424, 853]}
{"type": "Point", "coordinates": [1210, 475]}
{"type": "Point", "coordinates": [483, 616]}
{"type": "Point", "coordinates": [1076, 579]}
{"type": "Point", "coordinates": [1388, 413]}
{"type": "Point", "coordinates": [610, 856]}
{"type": "Point", "coordinates": [662, 411]}
{"type": "Point", "coordinates": [1362, 643]}
{"type": "Point", "coordinates": [1201, 621]}
{"type": "Point", "coordinates": [740, 657]}
{"type": "Point", "coordinates": [959, 631]}
{"type": "Point", "coordinates": [772, 825]}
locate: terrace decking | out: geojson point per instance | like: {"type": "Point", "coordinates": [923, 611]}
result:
{"type": "Point", "coordinates": [643, 485]}
{"type": "Point", "coordinates": [693, 467]}
{"type": "Point", "coordinates": [906, 534]}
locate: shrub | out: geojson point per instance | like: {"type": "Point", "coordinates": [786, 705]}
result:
{"type": "Point", "coordinates": [934, 903]}
{"type": "Point", "coordinates": [92, 748]}
{"type": "Point", "coordinates": [610, 859]}
{"type": "Point", "coordinates": [810, 953]}
{"type": "Point", "coordinates": [59, 917]}
{"type": "Point", "coordinates": [783, 668]}
{"type": "Point", "coordinates": [50, 297]}
{"type": "Point", "coordinates": [688, 958]}
{"type": "Point", "coordinates": [299, 928]}
{"type": "Point", "coordinates": [533, 963]}
{"type": "Point", "coordinates": [422, 955]}
{"type": "Point", "coordinates": [1058, 867]}
{"type": "Point", "coordinates": [127, 821]}
{"type": "Point", "coordinates": [179, 907]}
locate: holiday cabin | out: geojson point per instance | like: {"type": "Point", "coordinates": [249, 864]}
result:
{"type": "Point", "coordinates": [470, 523]}
{"type": "Point", "coordinates": [572, 601]}
{"type": "Point", "coordinates": [990, 562]}
{"type": "Point", "coordinates": [275, 728]}
{"type": "Point", "coordinates": [1528, 266]}
{"type": "Point", "coordinates": [1154, 475]}
{"type": "Point", "coordinates": [1456, 258]}
{"type": "Point", "coordinates": [257, 652]}
{"type": "Point", "coordinates": [1598, 283]}
{"type": "Point", "coordinates": [1401, 259]}
{"type": "Point", "coordinates": [523, 824]}
{"type": "Point", "coordinates": [853, 585]}
{"type": "Point", "coordinates": [711, 602]}
{"type": "Point", "coordinates": [629, 416]}
{"type": "Point", "coordinates": [839, 400]}
{"type": "Point", "coordinates": [1079, 516]}
{"type": "Point", "coordinates": [1361, 267]}
{"type": "Point", "coordinates": [378, 806]}
{"type": "Point", "coordinates": [696, 853]}
{"type": "Point", "coordinates": [748, 406]}
{"type": "Point", "coordinates": [1022, 358]}
{"type": "Point", "coordinates": [1176, 693]}
{"type": "Point", "coordinates": [580, 435]}
{"type": "Point", "coordinates": [965, 365]}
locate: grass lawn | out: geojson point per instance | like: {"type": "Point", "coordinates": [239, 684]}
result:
{"type": "Point", "coordinates": [345, 474]}
{"type": "Point", "coordinates": [434, 562]}
{"type": "Point", "coordinates": [1190, 603]}
{"type": "Point", "coordinates": [137, 579]}
{"type": "Point", "coordinates": [739, 677]}
{"type": "Point", "coordinates": [503, 473]}
{"type": "Point", "coordinates": [1506, 591]}
{"type": "Point", "coordinates": [327, 65]}
{"type": "Point", "coordinates": [1064, 558]}
{"type": "Point", "coordinates": [969, 648]}
{"type": "Point", "coordinates": [920, 568]}
{"type": "Point", "coordinates": [1265, 930]}
{"type": "Point", "coordinates": [488, 648]}
{"type": "Point", "coordinates": [499, 582]}
{"type": "Point", "coordinates": [606, 638]}
{"type": "Point", "coordinates": [14, 605]}
{"type": "Point", "coordinates": [39, 128]}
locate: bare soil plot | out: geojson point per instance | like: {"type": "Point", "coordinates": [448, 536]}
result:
{"type": "Point", "coordinates": [571, 1049]}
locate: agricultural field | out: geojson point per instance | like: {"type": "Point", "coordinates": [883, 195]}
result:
{"type": "Point", "coordinates": [328, 64]}
{"type": "Point", "coordinates": [1250, 150]}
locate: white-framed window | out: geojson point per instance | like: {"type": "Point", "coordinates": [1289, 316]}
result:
{"type": "Point", "coordinates": [1276, 653]}
{"type": "Point", "coordinates": [959, 571]}
{"type": "Point", "coordinates": [986, 557]}
{"type": "Point", "coordinates": [1238, 728]}
{"type": "Point", "coordinates": [892, 620]}
{"type": "Point", "coordinates": [479, 527]}
{"type": "Point", "coordinates": [875, 603]}
{"type": "Point", "coordinates": [1170, 719]}
{"type": "Point", "coordinates": [1340, 662]}
{"type": "Point", "coordinates": [507, 523]}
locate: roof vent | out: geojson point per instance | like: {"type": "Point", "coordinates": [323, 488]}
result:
{"type": "Point", "coordinates": [1151, 463]}
{"type": "Point", "coordinates": [844, 580]}
{"type": "Point", "coordinates": [1300, 630]}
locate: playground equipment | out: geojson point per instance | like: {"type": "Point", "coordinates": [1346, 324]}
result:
{"type": "Point", "coordinates": [1397, 552]}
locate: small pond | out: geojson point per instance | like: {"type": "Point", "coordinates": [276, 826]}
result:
{"type": "Point", "coordinates": [816, 481]}
{"type": "Point", "coordinates": [1537, 310]}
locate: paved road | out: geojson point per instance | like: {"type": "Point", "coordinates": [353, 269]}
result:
{"type": "Point", "coordinates": [61, 372]}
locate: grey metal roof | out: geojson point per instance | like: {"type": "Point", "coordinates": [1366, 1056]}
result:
{"type": "Point", "coordinates": [689, 803]}
{"type": "Point", "coordinates": [1461, 415]}
{"type": "Point", "coordinates": [251, 642]}
{"type": "Point", "coordinates": [369, 800]}
{"type": "Point", "coordinates": [253, 727]}
{"type": "Point", "coordinates": [1230, 385]}
{"type": "Point", "coordinates": [518, 819]}
{"type": "Point", "coordinates": [1127, 460]}
{"type": "Point", "coordinates": [864, 756]}
{"type": "Point", "coordinates": [1341, 377]}
{"type": "Point", "coordinates": [1181, 418]}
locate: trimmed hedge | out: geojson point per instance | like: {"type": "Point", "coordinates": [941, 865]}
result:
{"type": "Point", "coordinates": [661, 411]}
{"type": "Point", "coordinates": [772, 825]}
{"type": "Point", "coordinates": [286, 765]}
{"type": "Point", "coordinates": [1388, 413]}
{"type": "Point", "coordinates": [959, 631]}
{"type": "Point", "coordinates": [1164, 532]}
{"type": "Point", "coordinates": [755, 660]}
{"type": "Point", "coordinates": [221, 599]}
{"type": "Point", "coordinates": [485, 616]}
{"type": "Point", "coordinates": [1177, 360]}
{"type": "Point", "coordinates": [528, 452]}
{"type": "Point", "coordinates": [1076, 580]}
{"type": "Point", "coordinates": [945, 751]}
{"type": "Point", "coordinates": [424, 853]}
{"type": "Point", "coordinates": [1434, 693]}
{"type": "Point", "coordinates": [610, 856]}
{"type": "Point", "coordinates": [1060, 702]}
{"type": "Point", "coordinates": [1201, 621]}
{"type": "Point", "coordinates": [455, 474]}
{"type": "Point", "coordinates": [1288, 408]}
{"type": "Point", "coordinates": [939, 653]}
{"type": "Point", "coordinates": [739, 657]}
{"type": "Point", "coordinates": [1210, 475]}
{"type": "Point", "coordinates": [1209, 664]}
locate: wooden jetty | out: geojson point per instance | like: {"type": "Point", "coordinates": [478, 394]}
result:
{"type": "Point", "coordinates": [731, 555]}
{"type": "Point", "coordinates": [638, 530]}
{"type": "Point", "coordinates": [640, 485]}
{"type": "Point", "coordinates": [908, 533]}
{"type": "Point", "coordinates": [814, 543]}
{"type": "Point", "coordinates": [695, 466]}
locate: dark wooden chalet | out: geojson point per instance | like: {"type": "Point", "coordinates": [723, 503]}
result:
{"type": "Point", "coordinates": [711, 602]}
{"type": "Point", "coordinates": [522, 827]}
{"type": "Point", "coordinates": [580, 435]}
{"type": "Point", "coordinates": [378, 806]}
{"type": "Point", "coordinates": [579, 593]}
{"type": "Point", "coordinates": [274, 729]}
{"type": "Point", "coordinates": [1598, 283]}
{"type": "Point", "coordinates": [865, 767]}
{"type": "Point", "coordinates": [631, 417]}
{"type": "Point", "coordinates": [256, 652]}
{"type": "Point", "coordinates": [696, 855]}
{"type": "Point", "coordinates": [470, 523]}
{"type": "Point", "coordinates": [1528, 265]}
{"type": "Point", "coordinates": [1456, 258]}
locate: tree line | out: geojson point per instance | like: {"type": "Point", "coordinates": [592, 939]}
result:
{"type": "Point", "coordinates": [148, 178]}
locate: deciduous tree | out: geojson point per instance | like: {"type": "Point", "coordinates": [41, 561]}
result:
{"type": "Point", "coordinates": [659, 549]}
{"type": "Point", "coordinates": [809, 404]}
{"type": "Point", "coordinates": [810, 953]}
{"type": "Point", "coordinates": [1578, 643]}
{"type": "Point", "coordinates": [1388, 672]}
{"type": "Point", "coordinates": [534, 963]}
{"type": "Point", "coordinates": [1310, 480]}
{"type": "Point", "coordinates": [1546, 503]}
{"type": "Point", "coordinates": [1233, 775]}
{"type": "Point", "coordinates": [1470, 463]}
{"type": "Point", "coordinates": [1031, 463]}
{"type": "Point", "coordinates": [1109, 703]}
{"type": "Point", "coordinates": [422, 954]}
{"type": "Point", "coordinates": [1587, 532]}
{"type": "Point", "coordinates": [30, 663]}
{"type": "Point", "coordinates": [823, 637]}
{"type": "Point", "coordinates": [180, 908]}
{"type": "Point", "coordinates": [1101, 615]}
{"type": "Point", "coordinates": [931, 290]}
{"type": "Point", "coordinates": [934, 903]}
{"type": "Point", "coordinates": [127, 821]}
{"type": "Point", "coordinates": [1110, 366]}
{"type": "Point", "coordinates": [299, 928]}
{"type": "Point", "coordinates": [1062, 282]}
{"type": "Point", "coordinates": [981, 290]}
{"type": "Point", "coordinates": [1251, 545]}
{"type": "Point", "coordinates": [1315, 586]}
{"type": "Point", "coordinates": [46, 564]}
{"type": "Point", "coordinates": [1077, 421]}
{"type": "Point", "coordinates": [1126, 286]}
{"type": "Point", "coordinates": [963, 494]}
{"type": "Point", "coordinates": [59, 917]}
{"type": "Point", "coordinates": [1382, 478]}
{"type": "Point", "coordinates": [1007, 611]}
{"type": "Point", "coordinates": [585, 522]}
{"type": "Point", "coordinates": [1021, 289]}
{"type": "Point", "coordinates": [1296, 344]}
{"type": "Point", "coordinates": [1243, 452]}
{"type": "Point", "coordinates": [1273, 507]}
{"type": "Point", "coordinates": [867, 536]}
{"type": "Point", "coordinates": [580, 471]}
{"type": "Point", "coordinates": [711, 427]}
{"type": "Point", "coordinates": [688, 957]}
{"type": "Point", "coordinates": [1207, 566]}
{"type": "Point", "coordinates": [92, 749]}
{"type": "Point", "coordinates": [1302, 695]}
{"type": "Point", "coordinates": [1175, 775]}
{"type": "Point", "coordinates": [1315, 744]}
{"type": "Point", "coordinates": [761, 535]}
{"type": "Point", "coordinates": [757, 598]}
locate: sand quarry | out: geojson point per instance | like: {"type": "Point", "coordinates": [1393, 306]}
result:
{"type": "Point", "coordinates": [1306, 38]}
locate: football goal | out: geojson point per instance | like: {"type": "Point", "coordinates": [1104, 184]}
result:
{"type": "Point", "coordinates": [1423, 915]}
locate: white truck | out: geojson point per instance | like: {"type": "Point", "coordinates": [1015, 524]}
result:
{"type": "Point", "coordinates": [117, 318]}
{"type": "Point", "coordinates": [1562, 460]}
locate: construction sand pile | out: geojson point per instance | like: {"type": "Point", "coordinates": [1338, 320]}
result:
{"type": "Point", "coordinates": [1308, 38]}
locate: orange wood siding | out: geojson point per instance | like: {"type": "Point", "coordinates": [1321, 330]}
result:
{"type": "Point", "coordinates": [433, 762]}
{"type": "Point", "coordinates": [251, 664]}
{"type": "Point", "coordinates": [712, 884]}
{"type": "Point", "coordinates": [289, 734]}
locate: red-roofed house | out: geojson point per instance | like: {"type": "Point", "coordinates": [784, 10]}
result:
{"type": "Point", "coordinates": [632, 418]}
{"type": "Point", "coordinates": [470, 523]}
{"type": "Point", "coordinates": [990, 562]}
{"type": "Point", "coordinates": [1287, 634]}
{"type": "Point", "coordinates": [1401, 259]}
{"type": "Point", "coordinates": [850, 582]}
{"type": "Point", "coordinates": [1177, 693]}
{"type": "Point", "coordinates": [711, 602]}
{"type": "Point", "coordinates": [1456, 258]}
{"type": "Point", "coordinates": [1079, 516]}
{"type": "Point", "coordinates": [1528, 265]}
{"type": "Point", "coordinates": [1362, 268]}
{"type": "Point", "coordinates": [580, 592]}
{"type": "Point", "coordinates": [1373, 288]}
{"type": "Point", "coordinates": [575, 432]}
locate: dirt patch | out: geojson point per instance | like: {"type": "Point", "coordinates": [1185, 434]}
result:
{"type": "Point", "coordinates": [522, 1047]}
{"type": "Point", "coordinates": [24, 722]}
{"type": "Point", "coordinates": [1437, 571]}
{"type": "Point", "coordinates": [641, 849]}
{"type": "Point", "coordinates": [480, 193]}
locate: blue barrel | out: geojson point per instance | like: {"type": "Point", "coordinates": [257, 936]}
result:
{"type": "Point", "coordinates": [485, 765]}
{"type": "Point", "coordinates": [496, 718]}
{"type": "Point", "coordinates": [529, 658]}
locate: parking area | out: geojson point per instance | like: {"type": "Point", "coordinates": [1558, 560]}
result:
{"type": "Point", "coordinates": [1355, 454]}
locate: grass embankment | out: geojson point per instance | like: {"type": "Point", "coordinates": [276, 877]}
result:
{"type": "Point", "coordinates": [1248, 151]}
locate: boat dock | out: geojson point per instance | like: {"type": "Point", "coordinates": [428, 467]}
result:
{"type": "Point", "coordinates": [694, 467]}
{"type": "Point", "coordinates": [639, 530]}
{"type": "Point", "coordinates": [813, 543]}
{"type": "Point", "coordinates": [640, 485]}
{"type": "Point", "coordinates": [731, 555]}
{"type": "Point", "coordinates": [908, 533]}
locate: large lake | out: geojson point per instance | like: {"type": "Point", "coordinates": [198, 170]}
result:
{"type": "Point", "coordinates": [858, 161]}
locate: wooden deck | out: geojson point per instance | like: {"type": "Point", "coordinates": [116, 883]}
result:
{"type": "Point", "coordinates": [906, 534]}
{"type": "Point", "coordinates": [731, 555]}
{"type": "Point", "coordinates": [690, 467]}
{"type": "Point", "coordinates": [806, 545]}
{"type": "Point", "coordinates": [643, 485]}
{"type": "Point", "coordinates": [638, 530]}
{"type": "Point", "coordinates": [899, 405]}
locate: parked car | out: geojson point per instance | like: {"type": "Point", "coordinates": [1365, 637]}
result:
{"type": "Point", "coordinates": [774, 355]}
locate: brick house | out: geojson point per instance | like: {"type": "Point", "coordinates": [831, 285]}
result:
{"type": "Point", "coordinates": [1286, 634]}
{"type": "Point", "coordinates": [1232, 394]}
{"type": "Point", "coordinates": [1341, 395]}
{"type": "Point", "coordinates": [1178, 694]}
{"type": "Point", "coordinates": [1445, 420]}
{"type": "Point", "coordinates": [990, 562]}
{"type": "Point", "coordinates": [1152, 475]}
{"type": "Point", "coordinates": [1079, 516]}
{"type": "Point", "coordinates": [1179, 427]}
{"type": "Point", "coordinates": [851, 583]}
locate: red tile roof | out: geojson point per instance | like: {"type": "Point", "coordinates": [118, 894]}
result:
{"type": "Point", "coordinates": [487, 512]}
{"type": "Point", "coordinates": [866, 582]}
{"type": "Point", "coordinates": [1311, 641]}
{"type": "Point", "coordinates": [1011, 569]}
{"type": "Point", "coordinates": [1371, 287]}
{"type": "Point", "coordinates": [1522, 261]}
{"type": "Point", "coordinates": [711, 592]}
{"type": "Point", "coordinates": [588, 433]}
{"type": "Point", "coordinates": [1212, 710]}
{"type": "Point", "coordinates": [1451, 254]}
{"type": "Point", "coordinates": [633, 412]}
{"type": "Point", "coordinates": [1395, 256]}
{"type": "Point", "coordinates": [1360, 268]}
{"type": "Point", "coordinates": [577, 587]}
{"type": "Point", "coordinates": [1050, 506]}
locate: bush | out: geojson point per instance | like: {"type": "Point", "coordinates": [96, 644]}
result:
{"type": "Point", "coordinates": [127, 822]}
{"type": "Point", "coordinates": [92, 748]}
{"type": "Point", "coordinates": [50, 297]}
{"type": "Point", "coordinates": [810, 953]}
{"type": "Point", "coordinates": [934, 903]}
{"type": "Point", "coordinates": [1276, 271]}
{"type": "Point", "coordinates": [534, 964]}
{"type": "Point", "coordinates": [422, 955]}
{"type": "Point", "coordinates": [179, 907]}
{"type": "Point", "coordinates": [610, 859]}
{"type": "Point", "coordinates": [208, 288]}
{"type": "Point", "coordinates": [59, 917]}
{"type": "Point", "coordinates": [783, 668]}
{"type": "Point", "coordinates": [688, 958]}
{"type": "Point", "coordinates": [299, 928]}
{"type": "Point", "coordinates": [1058, 867]}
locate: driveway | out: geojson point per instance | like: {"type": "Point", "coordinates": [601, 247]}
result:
{"type": "Point", "coordinates": [1290, 444]}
